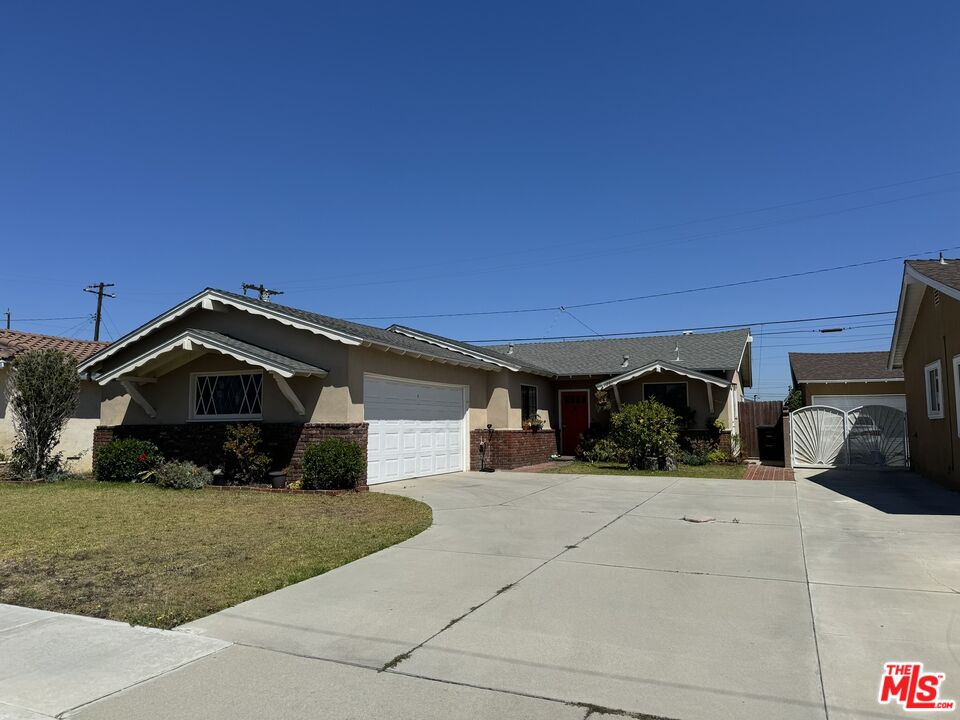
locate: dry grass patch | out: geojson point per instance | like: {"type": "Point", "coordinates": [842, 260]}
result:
{"type": "Point", "coordinates": [157, 557]}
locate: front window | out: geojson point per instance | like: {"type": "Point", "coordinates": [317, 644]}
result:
{"type": "Point", "coordinates": [673, 395]}
{"type": "Point", "coordinates": [227, 396]}
{"type": "Point", "coordinates": [934, 390]}
{"type": "Point", "coordinates": [528, 402]}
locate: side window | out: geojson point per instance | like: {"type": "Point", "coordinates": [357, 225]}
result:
{"type": "Point", "coordinates": [934, 385]}
{"type": "Point", "coordinates": [528, 402]}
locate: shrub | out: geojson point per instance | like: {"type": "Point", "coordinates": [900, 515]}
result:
{"type": "Point", "coordinates": [588, 440]}
{"type": "Point", "coordinates": [244, 463]}
{"type": "Point", "coordinates": [126, 460]}
{"type": "Point", "coordinates": [700, 451]}
{"type": "Point", "coordinates": [182, 476]}
{"type": "Point", "coordinates": [333, 464]}
{"type": "Point", "coordinates": [717, 456]}
{"type": "Point", "coordinates": [794, 399]}
{"type": "Point", "coordinates": [43, 391]}
{"type": "Point", "coordinates": [644, 429]}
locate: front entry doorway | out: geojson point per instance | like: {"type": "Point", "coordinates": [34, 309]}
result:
{"type": "Point", "coordinates": [574, 418]}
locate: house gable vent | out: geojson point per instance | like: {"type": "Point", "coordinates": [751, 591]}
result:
{"type": "Point", "coordinates": [936, 297]}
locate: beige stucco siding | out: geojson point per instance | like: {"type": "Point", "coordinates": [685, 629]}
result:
{"type": "Point", "coordinates": [934, 445]}
{"type": "Point", "coordinates": [364, 360]}
{"type": "Point", "coordinates": [76, 442]}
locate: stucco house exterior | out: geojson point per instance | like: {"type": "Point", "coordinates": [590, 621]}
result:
{"type": "Point", "coordinates": [926, 347]}
{"type": "Point", "coordinates": [419, 402]}
{"type": "Point", "coordinates": [847, 380]}
{"type": "Point", "coordinates": [76, 442]}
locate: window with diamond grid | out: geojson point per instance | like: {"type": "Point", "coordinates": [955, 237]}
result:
{"type": "Point", "coordinates": [234, 395]}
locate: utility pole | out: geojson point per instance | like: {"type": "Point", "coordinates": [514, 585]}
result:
{"type": "Point", "coordinates": [264, 292]}
{"type": "Point", "coordinates": [8, 318]}
{"type": "Point", "coordinates": [98, 290]}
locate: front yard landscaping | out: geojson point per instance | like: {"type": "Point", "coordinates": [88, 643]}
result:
{"type": "Point", "coordinates": [718, 471]}
{"type": "Point", "coordinates": [149, 556]}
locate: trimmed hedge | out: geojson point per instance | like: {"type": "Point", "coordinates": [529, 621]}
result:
{"type": "Point", "coordinates": [123, 460]}
{"type": "Point", "coordinates": [333, 464]}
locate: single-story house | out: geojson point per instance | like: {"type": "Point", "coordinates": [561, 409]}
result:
{"type": "Point", "coordinates": [847, 380]}
{"type": "Point", "coordinates": [76, 442]}
{"type": "Point", "coordinates": [926, 347]}
{"type": "Point", "coordinates": [419, 402]}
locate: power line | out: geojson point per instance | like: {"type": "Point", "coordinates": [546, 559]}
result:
{"type": "Point", "coordinates": [668, 293]}
{"type": "Point", "coordinates": [657, 228]}
{"type": "Point", "coordinates": [690, 329]}
{"type": "Point", "coordinates": [99, 289]}
{"type": "Point", "coordinates": [50, 319]}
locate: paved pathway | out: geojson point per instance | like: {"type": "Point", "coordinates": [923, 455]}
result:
{"type": "Point", "coordinates": [548, 596]}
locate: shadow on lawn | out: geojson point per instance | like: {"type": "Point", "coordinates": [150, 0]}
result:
{"type": "Point", "coordinates": [894, 493]}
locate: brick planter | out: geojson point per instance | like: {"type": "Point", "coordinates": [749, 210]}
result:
{"type": "Point", "coordinates": [513, 448]}
{"type": "Point", "coordinates": [202, 443]}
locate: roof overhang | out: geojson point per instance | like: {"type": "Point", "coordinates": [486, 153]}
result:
{"type": "Point", "coordinates": [845, 381]}
{"type": "Point", "coordinates": [194, 342]}
{"type": "Point", "coordinates": [912, 288]}
{"type": "Point", "coordinates": [453, 347]}
{"type": "Point", "coordinates": [661, 366]}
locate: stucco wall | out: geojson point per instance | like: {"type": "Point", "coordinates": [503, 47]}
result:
{"type": "Point", "coordinates": [871, 388]}
{"type": "Point", "coordinates": [934, 445]}
{"type": "Point", "coordinates": [76, 442]}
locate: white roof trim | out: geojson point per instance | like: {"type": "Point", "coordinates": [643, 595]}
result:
{"type": "Point", "coordinates": [452, 347]}
{"type": "Point", "coordinates": [660, 366]}
{"type": "Point", "coordinates": [907, 310]}
{"type": "Point", "coordinates": [207, 297]}
{"type": "Point", "coordinates": [187, 341]}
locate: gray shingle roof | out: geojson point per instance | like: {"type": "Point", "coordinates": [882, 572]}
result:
{"type": "Point", "coordinates": [810, 367]}
{"type": "Point", "coordinates": [364, 332]}
{"type": "Point", "coordinates": [946, 273]}
{"type": "Point", "coordinates": [487, 351]}
{"type": "Point", "coordinates": [255, 351]}
{"type": "Point", "coordinates": [700, 351]}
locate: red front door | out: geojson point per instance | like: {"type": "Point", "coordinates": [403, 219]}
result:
{"type": "Point", "coordinates": [574, 418]}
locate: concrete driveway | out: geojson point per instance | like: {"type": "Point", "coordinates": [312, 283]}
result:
{"type": "Point", "coordinates": [551, 596]}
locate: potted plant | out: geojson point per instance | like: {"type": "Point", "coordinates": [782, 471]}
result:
{"type": "Point", "coordinates": [534, 424]}
{"type": "Point", "coordinates": [278, 478]}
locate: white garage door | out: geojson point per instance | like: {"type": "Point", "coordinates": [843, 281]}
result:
{"type": "Point", "coordinates": [414, 429]}
{"type": "Point", "coordinates": [849, 402]}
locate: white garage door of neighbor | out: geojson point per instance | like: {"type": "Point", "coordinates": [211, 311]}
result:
{"type": "Point", "coordinates": [414, 429]}
{"type": "Point", "coordinates": [849, 402]}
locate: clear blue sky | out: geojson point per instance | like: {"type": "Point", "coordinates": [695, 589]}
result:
{"type": "Point", "coordinates": [415, 158]}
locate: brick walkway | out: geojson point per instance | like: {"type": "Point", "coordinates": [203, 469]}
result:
{"type": "Point", "coordinates": [767, 472]}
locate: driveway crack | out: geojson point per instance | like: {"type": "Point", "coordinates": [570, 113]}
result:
{"type": "Point", "coordinates": [397, 660]}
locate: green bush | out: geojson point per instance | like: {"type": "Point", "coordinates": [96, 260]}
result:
{"type": "Point", "coordinates": [124, 460]}
{"type": "Point", "coordinates": [182, 476]}
{"type": "Point", "coordinates": [699, 452]}
{"type": "Point", "coordinates": [717, 456]}
{"type": "Point", "coordinates": [333, 464]}
{"type": "Point", "coordinates": [645, 429]}
{"type": "Point", "coordinates": [589, 439]}
{"type": "Point", "coordinates": [244, 463]}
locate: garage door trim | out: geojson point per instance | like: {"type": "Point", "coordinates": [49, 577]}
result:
{"type": "Point", "coordinates": [465, 439]}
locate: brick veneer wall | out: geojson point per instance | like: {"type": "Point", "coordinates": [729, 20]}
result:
{"type": "Point", "coordinates": [513, 448]}
{"type": "Point", "coordinates": [202, 443]}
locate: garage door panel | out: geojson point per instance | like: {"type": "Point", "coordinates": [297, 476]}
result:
{"type": "Point", "coordinates": [418, 428]}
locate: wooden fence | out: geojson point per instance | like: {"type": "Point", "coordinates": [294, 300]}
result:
{"type": "Point", "coordinates": [761, 430]}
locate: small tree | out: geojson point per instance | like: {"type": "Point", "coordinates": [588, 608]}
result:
{"type": "Point", "coordinates": [794, 400]}
{"type": "Point", "coordinates": [645, 429]}
{"type": "Point", "coordinates": [43, 391]}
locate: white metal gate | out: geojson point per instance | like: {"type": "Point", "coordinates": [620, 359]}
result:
{"type": "Point", "coordinates": [869, 436]}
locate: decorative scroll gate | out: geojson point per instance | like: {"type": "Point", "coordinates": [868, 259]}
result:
{"type": "Point", "coordinates": [871, 436]}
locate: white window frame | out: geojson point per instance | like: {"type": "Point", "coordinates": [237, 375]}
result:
{"type": "Point", "coordinates": [933, 414]}
{"type": "Point", "coordinates": [222, 418]}
{"type": "Point", "coordinates": [956, 384]}
{"type": "Point", "coordinates": [536, 400]}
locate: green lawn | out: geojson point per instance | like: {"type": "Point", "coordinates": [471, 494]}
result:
{"type": "Point", "coordinates": [162, 557]}
{"type": "Point", "coordinates": [719, 472]}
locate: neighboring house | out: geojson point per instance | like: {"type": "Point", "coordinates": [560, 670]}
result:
{"type": "Point", "coordinates": [926, 346]}
{"type": "Point", "coordinates": [419, 402]}
{"type": "Point", "coordinates": [76, 442]}
{"type": "Point", "coordinates": [847, 380]}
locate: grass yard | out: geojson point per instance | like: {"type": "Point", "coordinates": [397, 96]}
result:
{"type": "Point", "coordinates": [718, 472]}
{"type": "Point", "coordinates": [157, 557]}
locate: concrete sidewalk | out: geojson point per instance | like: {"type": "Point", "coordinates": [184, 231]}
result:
{"type": "Point", "coordinates": [557, 596]}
